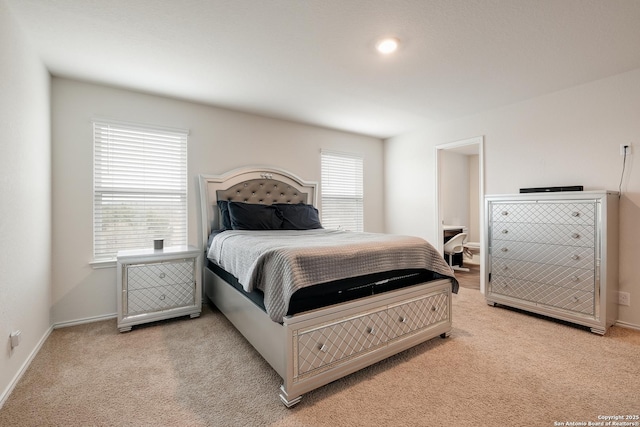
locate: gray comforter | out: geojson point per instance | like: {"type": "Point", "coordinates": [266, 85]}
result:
{"type": "Point", "coordinates": [281, 262]}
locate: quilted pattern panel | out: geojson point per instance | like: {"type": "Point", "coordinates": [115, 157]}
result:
{"type": "Point", "coordinates": [556, 234]}
{"type": "Point", "coordinates": [321, 347]}
{"type": "Point", "coordinates": [545, 212]}
{"type": "Point", "coordinates": [160, 298]}
{"type": "Point", "coordinates": [557, 275]}
{"type": "Point", "coordinates": [142, 276]}
{"type": "Point", "coordinates": [568, 256]}
{"type": "Point", "coordinates": [554, 296]}
{"type": "Point", "coordinates": [418, 314]}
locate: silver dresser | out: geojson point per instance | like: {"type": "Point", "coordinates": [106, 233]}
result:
{"type": "Point", "coordinates": [555, 254]}
{"type": "Point", "coordinates": [158, 284]}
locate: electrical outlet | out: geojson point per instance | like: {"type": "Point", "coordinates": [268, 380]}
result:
{"type": "Point", "coordinates": [624, 298]}
{"type": "Point", "coordinates": [15, 338]}
{"type": "Point", "coordinates": [625, 149]}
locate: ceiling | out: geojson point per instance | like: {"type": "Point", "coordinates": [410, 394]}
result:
{"type": "Point", "coordinates": [313, 61]}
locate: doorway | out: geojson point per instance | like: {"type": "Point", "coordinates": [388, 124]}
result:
{"type": "Point", "coordinates": [460, 193]}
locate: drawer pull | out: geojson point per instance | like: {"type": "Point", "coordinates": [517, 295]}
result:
{"type": "Point", "coordinates": [505, 231]}
{"type": "Point", "coordinates": [575, 214]}
{"type": "Point", "coordinates": [162, 297]}
{"type": "Point", "coordinates": [505, 213]}
{"type": "Point", "coordinates": [371, 331]}
{"type": "Point", "coordinates": [433, 308]}
{"type": "Point", "coordinates": [576, 299]}
{"type": "Point", "coordinates": [323, 348]}
{"type": "Point", "coordinates": [575, 257]}
{"type": "Point", "coordinates": [575, 235]}
{"type": "Point", "coordinates": [162, 275]}
{"type": "Point", "coordinates": [575, 278]}
{"type": "Point", "coordinates": [403, 319]}
{"type": "Point", "coordinates": [504, 250]}
{"type": "Point", "coordinates": [505, 268]}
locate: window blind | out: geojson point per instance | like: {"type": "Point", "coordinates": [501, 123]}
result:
{"type": "Point", "coordinates": [342, 191]}
{"type": "Point", "coordinates": [139, 187]}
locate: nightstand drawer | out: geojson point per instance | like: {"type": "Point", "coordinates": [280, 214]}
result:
{"type": "Point", "coordinates": [142, 276]}
{"type": "Point", "coordinates": [160, 298]}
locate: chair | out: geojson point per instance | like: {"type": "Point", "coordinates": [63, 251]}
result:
{"type": "Point", "coordinates": [471, 249]}
{"type": "Point", "coordinates": [454, 246]}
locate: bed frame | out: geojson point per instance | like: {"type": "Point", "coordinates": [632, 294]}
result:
{"type": "Point", "coordinates": [314, 348]}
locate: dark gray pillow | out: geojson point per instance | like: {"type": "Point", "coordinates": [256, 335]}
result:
{"type": "Point", "coordinates": [249, 216]}
{"type": "Point", "coordinates": [299, 216]}
{"type": "Point", "coordinates": [223, 205]}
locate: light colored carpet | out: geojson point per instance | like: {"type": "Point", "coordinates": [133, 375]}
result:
{"type": "Point", "coordinates": [499, 367]}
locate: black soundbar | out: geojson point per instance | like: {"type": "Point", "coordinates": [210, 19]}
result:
{"type": "Point", "coordinates": [552, 189]}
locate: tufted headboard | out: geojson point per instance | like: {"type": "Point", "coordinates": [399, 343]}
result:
{"type": "Point", "coordinates": [255, 184]}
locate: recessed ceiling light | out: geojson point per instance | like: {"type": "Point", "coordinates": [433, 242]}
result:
{"type": "Point", "coordinates": [387, 45]}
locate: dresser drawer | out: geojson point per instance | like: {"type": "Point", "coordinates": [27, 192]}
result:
{"type": "Point", "coordinates": [556, 275]}
{"type": "Point", "coordinates": [539, 293]}
{"type": "Point", "coordinates": [159, 298]}
{"type": "Point", "coordinates": [335, 342]}
{"type": "Point", "coordinates": [568, 256]}
{"type": "Point", "coordinates": [142, 276]}
{"type": "Point", "coordinates": [556, 234]}
{"type": "Point", "coordinates": [545, 212]}
{"type": "Point", "coordinates": [418, 314]}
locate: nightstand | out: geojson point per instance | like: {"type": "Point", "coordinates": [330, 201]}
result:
{"type": "Point", "coordinates": [158, 284]}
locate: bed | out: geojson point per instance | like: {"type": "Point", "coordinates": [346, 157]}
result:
{"type": "Point", "coordinates": [321, 304]}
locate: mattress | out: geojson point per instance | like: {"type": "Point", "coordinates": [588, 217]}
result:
{"type": "Point", "coordinates": [336, 292]}
{"type": "Point", "coordinates": [321, 266]}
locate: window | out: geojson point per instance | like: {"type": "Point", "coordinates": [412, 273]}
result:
{"type": "Point", "coordinates": [342, 194]}
{"type": "Point", "coordinates": [139, 187]}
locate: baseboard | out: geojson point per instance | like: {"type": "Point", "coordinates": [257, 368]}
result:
{"type": "Point", "coordinates": [85, 320]}
{"type": "Point", "coordinates": [627, 325]}
{"type": "Point", "coordinates": [7, 392]}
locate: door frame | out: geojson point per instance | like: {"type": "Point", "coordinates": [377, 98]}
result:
{"type": "Point", "coordinates": [473, 145]}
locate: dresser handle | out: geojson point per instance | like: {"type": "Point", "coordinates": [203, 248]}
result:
{"type": "Point", "coordinates": [505, 231]}
{"type": "Point", "coordinates": [433, 308]}
{"type": "Point", "coordinates": [504, 250]}
{"type": "Point", "coordinates": [575, 257]}
{"type": "Point", "coordinates": [576, 299]}
{"type": "Point", "coordinates": [575, 278]}
{"type": "Point", "coordinates": [505, 213]}
{"type": "Point", "coordinates": [162, 297]}
{"type": "Point", "coordinates": [575, 214]}
{"type": "Point", "coordinates": [505, 268]}
{"type": "Point", "coordinates": [162, 275]}
{"type": "Point", "coordinates": [371, 331]}
{"type": "Point", "coordinates": [322, 348]}
{"type": "Point", "coordinates": [575, 235]}
{"type": "Point", "coordinates": [403, 319]}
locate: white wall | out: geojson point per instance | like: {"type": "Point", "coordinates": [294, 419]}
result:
{"type": "Point", "coordinates": [219, 140]}
{"type": "Point", "coordinates": [455, 188]}
{"type": "Point", "coordinates": [571, 137]}
{"type": "Point", "coordinates": [25, 210]}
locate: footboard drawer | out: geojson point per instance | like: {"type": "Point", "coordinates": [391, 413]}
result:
{"type": "Point", "coordinates": [331, 343]}
{"type": "Point", "coordinates": [415, 315]}
{"type": "Point", "coordinates": [327, 344]}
